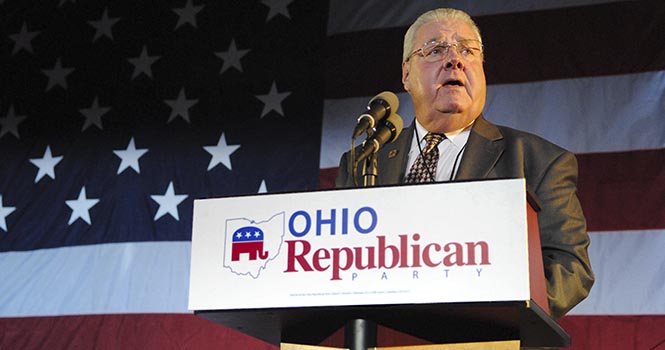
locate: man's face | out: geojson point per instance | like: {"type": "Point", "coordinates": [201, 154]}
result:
{"type": "Point", "coordinates": [449, 94]}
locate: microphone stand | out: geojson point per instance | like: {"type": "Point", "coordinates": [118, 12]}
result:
{"type": "Point", "coordinates": [360, 333]}
{"type": "Point", "coordinates": [370, 171]}
{"type": "Point", "coordinates": [387, 131]}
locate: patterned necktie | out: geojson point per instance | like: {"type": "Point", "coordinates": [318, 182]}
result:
{"type": "Point", "coordinates": [424, 169]}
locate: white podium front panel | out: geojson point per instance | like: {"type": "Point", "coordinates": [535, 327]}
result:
{"type": "Point", "coordinates": [433, 243]}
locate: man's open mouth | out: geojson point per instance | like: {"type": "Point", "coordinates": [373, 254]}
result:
{"type": "Point", "coordinates": [453, 82]}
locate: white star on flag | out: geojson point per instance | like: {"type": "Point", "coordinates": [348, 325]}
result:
{"type": "Point", "coordinates": [10, 123]}
{"type": "Point", "coordinates": [262, 187]}
{"type": "Point", "coordinates": [187, 14]}
{"type": "Point", "coordinates": [23, 39]}
{"type": "Point", "coordinates": [273, 100]}
{"type": "Point", "coordinates": [180, 106]}
{"type": "Point", "coordinates": [80, 207]}
{"type": "Point", "coordinates": [130, 157]}
{"type": "Point", "coordinates": [93, 115]}
{"type": "Point", "coordinates": [4, 212]}
{"type": "Point", "coordinates": [103, 25]}
{"type": "Point", "coordinates": [57, 75]}
{"type": "Point", "coordinates": [221, 153]}
{"type": "Point", "coordinates": [168, 203]}
{"type": "Point", "coordinates": [143, 63]}
{"type": "Point", "coordinates": [277, 7]}
{"type": "Point", "coordinates": [46, 164]}
{"type": "Point", "coordinates": [231, 57]}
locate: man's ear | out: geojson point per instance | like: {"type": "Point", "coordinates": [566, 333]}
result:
{"type": "Point", "coordinates": [405, 75]}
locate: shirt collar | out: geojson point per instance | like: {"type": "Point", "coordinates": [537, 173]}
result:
{"type": "Point", "coordinates": [457, 137]}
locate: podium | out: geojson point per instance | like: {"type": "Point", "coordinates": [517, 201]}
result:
{"type": "Point", "coordinates": [448, 263]}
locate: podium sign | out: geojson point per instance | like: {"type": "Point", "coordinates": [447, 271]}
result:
{"type": "Point", "coordinates": [378, 246]}
{"type": "Point", "coordinates": [451, 262]}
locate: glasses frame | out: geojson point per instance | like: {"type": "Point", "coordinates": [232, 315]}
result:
{"type": "Point", "coordinates": [446, 45]}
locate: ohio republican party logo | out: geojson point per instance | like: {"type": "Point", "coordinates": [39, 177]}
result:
{"type": "Point", "coordinates": [250, 246]}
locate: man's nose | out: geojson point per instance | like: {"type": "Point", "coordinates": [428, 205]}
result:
{"type": "Point", "coordinates": [453, 61]}
{"type": "Point", "coordinates": [453, 58]}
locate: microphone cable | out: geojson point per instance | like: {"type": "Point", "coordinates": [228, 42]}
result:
{"type": "Point", "coordinates": [354, 166]}
{"type": "Point", "coordinates": [452, 173]}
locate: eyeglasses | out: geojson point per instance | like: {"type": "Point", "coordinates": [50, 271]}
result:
{"type": "Point", "coordinates": [435, 50]}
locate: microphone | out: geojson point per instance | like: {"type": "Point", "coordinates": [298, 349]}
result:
{"type": "Point", "coordinates": [388, 131]}
{"type": "Point", "coordinates": [379, 107]}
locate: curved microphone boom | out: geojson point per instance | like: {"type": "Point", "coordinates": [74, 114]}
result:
{"type": "Point", "coordinates": [388, 131]}
{"type": "Point", "coordinates": [378, 108]}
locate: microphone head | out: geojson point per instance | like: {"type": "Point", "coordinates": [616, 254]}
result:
{"type": "Point", "coordinates": [397, 125]}
{"type": "Point", "coordinates": [386, 132]}
{"type": "Point", "coordinates": [379, 107]}
{"type": "Point", "coordinates": [389, 98]}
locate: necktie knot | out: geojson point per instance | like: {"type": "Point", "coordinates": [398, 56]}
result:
{"type": "Point", "coordinates": [433, 140]}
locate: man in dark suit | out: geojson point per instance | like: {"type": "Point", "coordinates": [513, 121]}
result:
{"type": "Point", "coordinates": [442, 70]}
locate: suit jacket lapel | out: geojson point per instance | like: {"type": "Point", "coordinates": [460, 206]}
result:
{"type": "Point", "coordinates": [392, 158]}
{"type": "Point", "coordinates": [483, 150]}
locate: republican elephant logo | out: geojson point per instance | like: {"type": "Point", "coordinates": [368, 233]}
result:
{"type": "Point", "coordinates": [248, 240]}
{"type": "Point", "coordinates": [250, 245]}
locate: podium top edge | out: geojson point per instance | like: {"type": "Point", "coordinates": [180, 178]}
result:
{"type": "Point", "coordinates": [320, 190]}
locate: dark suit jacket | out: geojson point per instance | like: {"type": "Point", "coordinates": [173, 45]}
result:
{"type": "Point", "coordinates": [494, 151]}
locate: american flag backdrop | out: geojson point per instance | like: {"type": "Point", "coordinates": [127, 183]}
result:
{"type": "Point", "coordinates": [115, 116]}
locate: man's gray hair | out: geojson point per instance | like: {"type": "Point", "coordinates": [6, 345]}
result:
{"type": "Point", "coordinates": [441, 14]}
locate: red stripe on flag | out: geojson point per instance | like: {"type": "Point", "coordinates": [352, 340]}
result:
{"type": "Point", "coordinates": [185, 331]}
{"type": "Point", "coordinates": [615, 332]}
{"type": "Point", "coordinates": [327, 177]}
{"type": "Point", "coordinates": [586, 332]}
{"type": "Point", "coordinates": [623, 190]}
{"type": "Point", "coordinates": [136, 331]}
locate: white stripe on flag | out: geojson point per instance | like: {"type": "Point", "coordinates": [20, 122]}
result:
{"type": "Point", "coordinates": [630, 274]}
{"type": "Point", "coordinates": [583, 115]}
{"type": "Point", "coordinates": [153, 277]}
{"type": "Point", "coordinates": [586, 115]}
{"type": "Point", "coordinates": [150, 277]}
